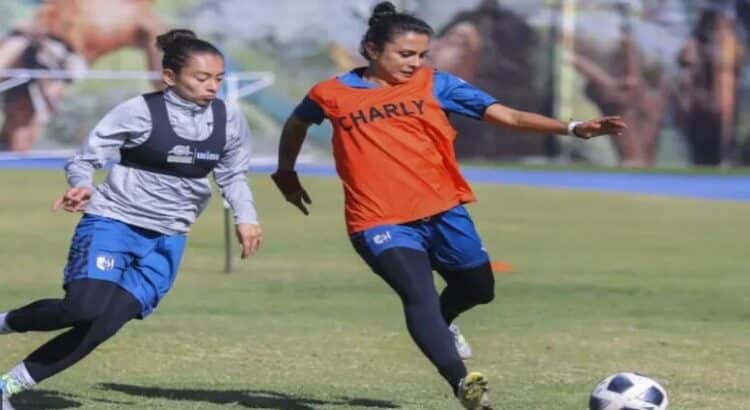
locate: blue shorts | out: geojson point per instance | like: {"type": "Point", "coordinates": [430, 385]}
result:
{"type": "Point", "coordinates": [449, 239]}
{"type": "Point", "coordinates": [141, 261]}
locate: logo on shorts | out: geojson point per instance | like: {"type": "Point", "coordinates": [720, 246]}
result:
{"type": "Point", "coordinates": [105, 262]}
{"type": "Point", "coordinates": [382, 238]}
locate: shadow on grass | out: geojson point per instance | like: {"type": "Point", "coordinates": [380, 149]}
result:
{"type": "Point", "coordinates": [253, 399]}
{"type": "Point", "coordinates": [44, 399]}
{"type": "Point", "coordinates": [53, 400]}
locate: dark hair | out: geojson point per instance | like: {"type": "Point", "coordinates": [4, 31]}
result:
{"type": "Point", "coordinates": [386, 22]}
{"type": "Point", "coordinates": [706, 24]}
{"type": "Point", "coordinates": [179, 44]}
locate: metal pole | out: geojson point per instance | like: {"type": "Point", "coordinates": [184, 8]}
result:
{"type": "Point", "coordinates": [232, 98]}
{"type": "Point", "coordinates": [564, 71]}
{"type": "Point", "coordinates": [227, 239]}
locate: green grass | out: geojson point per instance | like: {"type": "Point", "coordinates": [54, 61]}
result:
{"type": "Point", "coordinates": [602, 283]}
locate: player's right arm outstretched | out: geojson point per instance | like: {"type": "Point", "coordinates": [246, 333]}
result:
{"type": "Point", "coordinates": [115, 129]}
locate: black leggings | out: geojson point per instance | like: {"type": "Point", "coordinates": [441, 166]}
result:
{"type": "Point", "coordinates": [465, 289]}
{"type": "Point", "coordinates": [409, 273]}
{"type": "Point", "coordinates": [95, 309]}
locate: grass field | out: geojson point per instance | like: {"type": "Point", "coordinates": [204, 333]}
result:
{"type": "Point", "coordinates": [602, 283]}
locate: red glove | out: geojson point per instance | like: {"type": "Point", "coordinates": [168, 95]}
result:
{"type": "Point", "coordinates": [289, 185]}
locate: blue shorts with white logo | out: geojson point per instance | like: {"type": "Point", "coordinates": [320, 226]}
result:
{"type": "Point", "coordinates": [449, 239]}
{"type": "Point", "coordinates": [141, 261]}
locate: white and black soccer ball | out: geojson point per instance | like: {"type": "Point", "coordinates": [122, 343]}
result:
{"type": "Point", "coordinates": [628, 391]}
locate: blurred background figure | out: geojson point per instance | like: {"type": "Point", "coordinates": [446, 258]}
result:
{"type": "Point", "coordinates": [743, 16]}
{"type": "Point", "coordinates": [618, 85]}
{"type": "Point", "coordinates": [458, 50]}
{"type": "Point", "coordinates": [707, 89]}
{"type": "Point", "coordinates": [483, 45]}
{"type": "Point", "coordinates": [67, 35]}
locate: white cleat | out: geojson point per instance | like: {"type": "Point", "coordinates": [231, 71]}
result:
{"type": "Point", "coordinates": [8, 387]}
{"type": "Point", "coordinates": [462, 346]}
{"type": "Point", "coordinates": [5, 405]}
{"type": "Point", "coordinates": [5, 399]}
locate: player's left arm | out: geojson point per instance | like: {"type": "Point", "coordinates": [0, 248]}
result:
{"type": "Point", "coordinates": [230, 175]}
{"type": "Point", "coordinates": [457, 96]}
{"type": "Point", "coordinates": [532, 122]}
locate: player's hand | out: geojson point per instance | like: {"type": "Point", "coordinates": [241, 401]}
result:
{"type": "Point", "coordinates": [73, 200]}
{"type": "Point", "coordinates": [289, 185]}
{"type": "Point", "coordinates": [250, 236]}
{"type": "Point", "coordinates": [613, 125]}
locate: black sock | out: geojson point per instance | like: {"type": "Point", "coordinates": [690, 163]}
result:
{"type": "Point", "coordinates": [453, 375]}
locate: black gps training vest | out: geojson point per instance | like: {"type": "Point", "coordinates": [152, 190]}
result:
{"type": "Point", "coordinates": [165, 152]}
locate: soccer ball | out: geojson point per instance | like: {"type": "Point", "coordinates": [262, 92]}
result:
{"type": "Point", "coordinates": [628, 391]}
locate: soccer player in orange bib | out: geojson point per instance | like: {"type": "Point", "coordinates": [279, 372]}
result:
{"type": "Point", "coordinates": [404, 193]}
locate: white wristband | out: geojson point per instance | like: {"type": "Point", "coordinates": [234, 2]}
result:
{"type": "Point", "coordinates": [572, 127]}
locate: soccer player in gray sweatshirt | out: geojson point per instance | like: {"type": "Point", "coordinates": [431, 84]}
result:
{"type": "Point", "coordinates": [127, 247]}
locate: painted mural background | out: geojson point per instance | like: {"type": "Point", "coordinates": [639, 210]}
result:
{"type": "Point", "coordinates": [677, 70]}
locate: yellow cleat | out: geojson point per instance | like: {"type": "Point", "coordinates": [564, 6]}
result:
{"type": "Point", "coordinates": [472, 392]}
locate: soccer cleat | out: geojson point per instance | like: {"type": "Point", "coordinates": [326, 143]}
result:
{"type": "Point", "coordinates": [6, 386]}
{"type": "Point", "coordinates": [5, 404]}
{"type": "Point", "coordinates": [472, 392]}
{"type": "Point", "coordinates": [464, 350]}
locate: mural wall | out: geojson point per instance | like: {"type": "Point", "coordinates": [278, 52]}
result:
{"type": "Point", "coordinates": [677, 70]}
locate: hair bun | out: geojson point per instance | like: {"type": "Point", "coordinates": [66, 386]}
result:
{"type": "Point", "coordinates": [382, 11]}
{"type": "Point", "coordinates": [171, 37]}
